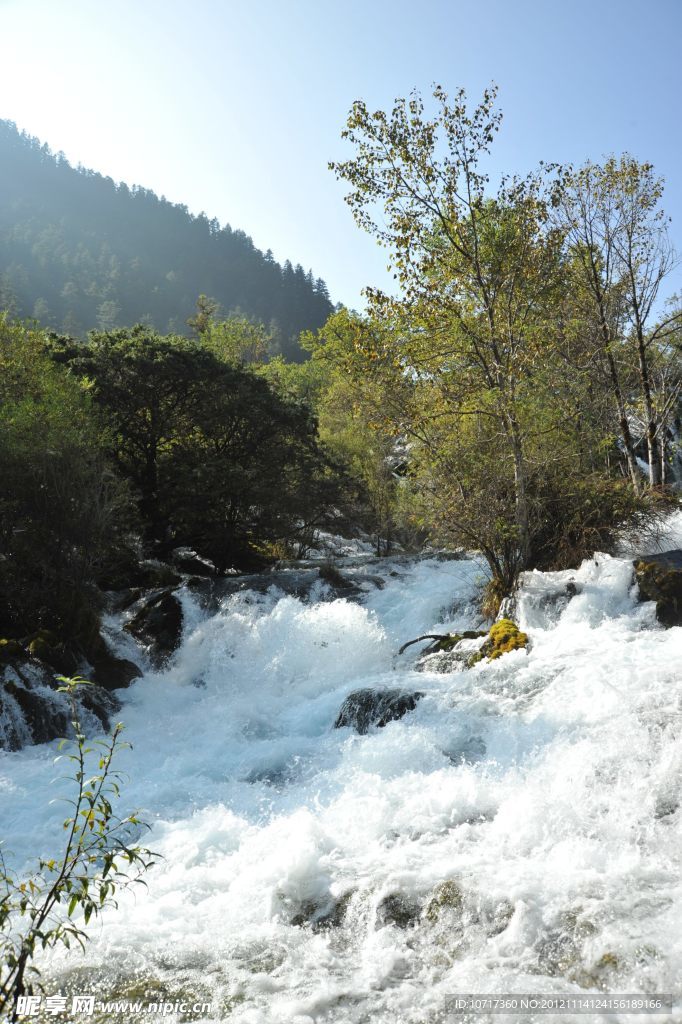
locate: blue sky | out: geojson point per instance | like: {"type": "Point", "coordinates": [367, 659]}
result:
{"type": "Point", "coordinates": [235, 108]}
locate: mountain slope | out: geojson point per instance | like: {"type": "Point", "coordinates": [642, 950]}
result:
{"type": "Point", "coordinates": [78, 251]}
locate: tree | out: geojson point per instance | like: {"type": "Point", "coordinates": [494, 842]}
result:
{"type": "Point", "coordinates": [478, 275]}
{"type": "Point", "coordinates": [205, 313]}
{"type": "Point", "coordinates": [220, 461]}
{"type": "Point", "coordinates": [621, 255]}
{"type": "Point", "coordinates": [351, 408]}
{"type": "Point", "coordinates": [237, 340]}
{"type": "Point", "coordinates": [62, 509]}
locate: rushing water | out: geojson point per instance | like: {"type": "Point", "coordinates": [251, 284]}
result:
{"type": "Point", "coordinates": [304, 865]}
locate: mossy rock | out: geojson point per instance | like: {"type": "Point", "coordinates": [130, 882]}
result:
{"type": "Point", "coordinates": [10, 649]}
{"type": "Point", "coordinates": [446, 896]}
{"type": "Point", "coordinates": [504, 636]}
{"type": "Point", "coordinates": [39, 648]}
{"type": "Point", "coordinates": [661, 582]}
{"type": "Point", "coordinates": [45, 647]}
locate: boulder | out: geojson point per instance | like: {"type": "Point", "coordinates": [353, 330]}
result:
{"type": "Point", "coordinates": [504, 636]}
{"type": "Point", "coordinates": [43, 645]}
{"type": "Point", "coordinates": [397, 909]}
{"type": "Point", "coordinates": [45, 717]}
{"type": "Point", "coordinates": [33, 711]}
{"type": "Point", "coordinates": [158, 626]}
{"type": "Point", "coordinates": [112, 672]}
{"type": "Point", "coordinates": [659, 578]}
{"type": "Point", "coordinates": [447, 896]}
{"type": "Point", "coordinates": [364, 708]}
{"type": "Point", "coordinates": [10, 649]}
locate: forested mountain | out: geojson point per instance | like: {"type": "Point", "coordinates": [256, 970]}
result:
{"type": "Point", "coordinates": [78, 251]}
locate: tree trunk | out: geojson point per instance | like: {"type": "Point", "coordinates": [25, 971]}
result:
{"type": "Point", "coordinates": [522, 515]}
{"type": "Point", "coordinates": [652, 444]}
{"type": "Point", "coordinates": [623, 422]}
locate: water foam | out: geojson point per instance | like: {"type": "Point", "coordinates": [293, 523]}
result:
{"type": "Point", "coordinates": [543, 786]}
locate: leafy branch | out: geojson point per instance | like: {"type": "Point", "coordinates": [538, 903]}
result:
{"type": "Point", "coordinates": [98, 861]}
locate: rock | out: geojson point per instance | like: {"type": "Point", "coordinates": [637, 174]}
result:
{"type": "Point", "coordinates": [318, 914]}
{"type": "Point", "coordinates": [46, 718]}
{"type": "Point", "coordinates": [151, 574]}
{"type": "Point", "coordinates": [659, 578]}
{"type": "Point", "coordinates": [158, 625]}
{"type": "Point", "coordinates": [33, 711]}
{"type": "Point", "coordinates": [112, 672]}
{"type": "Point", "coordinates": [364, 708]}
{"type": "Point", "coordinates": [63, 658]}
{"type": "Point", "coordinates": [334, 916]}
{"type": "Point", "coordinates": [10, 649]}
{"type": "Point", "coordinates": [504, 636]}
{"type": "Point", "coordinates": [397, 909]}
{"type": "Point", "coordinates": [447, 654]}
{"type": "Point", "coordinates": [124, 599]}
{"type": "Point", "coordinates": [469, 752]}
{"type": "Point", "coordinates": [330, 574]}
{"type": "Point", "coordinates": [446, 896]}
{"type": "Point", "coordinates": [188, 562]}
{"type": "Point", "coordinates": [345, 585]}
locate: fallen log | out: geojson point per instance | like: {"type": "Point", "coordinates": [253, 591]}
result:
{"type": "Point", "coordinates": [426, 636]}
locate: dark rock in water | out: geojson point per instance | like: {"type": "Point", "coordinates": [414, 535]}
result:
{"type": "Point", "coordinates": [276, 776]}
{"type": "Point", "coordinates": [297, 581]}
{"type": "Point", "coordinates": [189, 562]}
{"type": "Point", "coordinates": [211, 592]}
{"type": "Point", "coordinates": [158, 625]}
{"type": "Point", "coordinates": [124, 599]}
{"type": "Point", "coordinates": [469, 752]}
{"type": "Point", "coordinates": [333, 916]}
{"type": "Point", "coordinates": [397, 909]}
{"type": "Point", "coordinates": [364, 708]}
{"type": "Point", "coordinates": [330, 574]}
{"type": "Point", "coordinates": [46, 647]}
{"type": "Point", "coordinates": [111, 672]}
{"type": "Point", "coordinates": [10, 649]}
{"type": "Point", "coordinates": [659, 578]}
{"type": "Point", "coordinates": [45, 717]}
{"type": "Point", "coordinates": [33, 711]}
{"type": "Point", "coordinates": [668, 559]}
{"type": "Point", "coordinates": [321, 915]}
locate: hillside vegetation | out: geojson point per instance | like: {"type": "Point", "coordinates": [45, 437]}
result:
{"type": "Point", "coordinates": [79, 251]}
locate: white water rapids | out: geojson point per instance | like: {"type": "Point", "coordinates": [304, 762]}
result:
{"type": "Point", "coordinates": [544, 786]}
